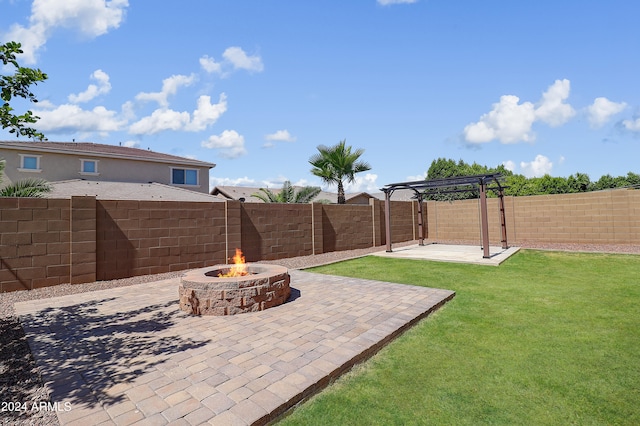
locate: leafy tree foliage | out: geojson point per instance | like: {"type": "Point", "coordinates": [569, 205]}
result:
{"type": "Point", "coordinates": [607, 181]}
{"type": "Point", "coordinates": [18, 85]}
{"type": "Point", "coordinates": [34, 188]}
{"type": "Point", "coordinates": [517, 184]}
{"type": "Point", "coordinates": [446, 168]}
{"type": "Point", "coordinates": [338, 163]}
{"type": "Point", "coordinates": [288, 194]}
{"type": "Point", "coordinates": [579, 182]}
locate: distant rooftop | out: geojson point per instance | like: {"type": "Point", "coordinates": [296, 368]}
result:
{"type": "Point", "coordinates": [126, 191]}
{"type": "Point", "coordinates": [244, 192]}
{"type": "Point", "coordinates": [103, 150]}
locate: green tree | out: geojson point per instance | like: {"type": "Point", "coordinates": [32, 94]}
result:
{"type": "Point", "coordinates": [519, 185]}
{"type": "Point", "coordinates": [336, 164]}
{"type": "Point", "coordinates": [18, 85]}
{"type": "Point", "coordinates": [608, 182]}
{"type": "Point", "coordinates": [548, 184]}
{"type": "Point", "coordinates": [579, 182]}
{"type": "Point", "coordinates": [288, 194]}
{"type": "Point", "coordinates": [446, 168]}
{"type": "Point", "coordinates": [34, 188]}
{"type": "Point", "coordinates": [633, 179]}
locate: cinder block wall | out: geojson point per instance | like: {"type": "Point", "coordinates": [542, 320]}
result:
{"type": "Point", "coordinates": [404, 221]}
{"type": "Point", "coordinates": [603, 217]}
{"type": "Point", "coordinates": [457, 220]}
{"type": "Point", "coordinates": [347, 227]}
{"type": "Point", "coordinates": [378, 226]}
{"type": "Point", "coordinates": [276, 231]}
{"type": "Point", "coordinates": [83, 240]}
{"type": "Point", "coordinates": [34, 243]}
{"type": "Point", "coordinates": [48, 242]}
{"type": "Point", "coordinates": [150, 237]}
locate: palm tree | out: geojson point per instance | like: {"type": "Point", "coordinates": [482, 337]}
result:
{"type": "Point", "coordinates": [336, 163]}
{"type": "Point", "coordinates": [34, 188]}
{"type": "Point", "coordinates": [288, 194]}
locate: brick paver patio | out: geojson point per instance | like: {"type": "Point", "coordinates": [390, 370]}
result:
{"type": "Point", "coordinates": [130, 356]}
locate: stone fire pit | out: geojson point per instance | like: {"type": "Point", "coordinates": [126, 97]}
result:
{"type": "Point", "coordinates": [203, 292]}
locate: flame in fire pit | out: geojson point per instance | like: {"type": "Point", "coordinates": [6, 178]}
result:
{"type": "Point", "coordinates": [239, 267]}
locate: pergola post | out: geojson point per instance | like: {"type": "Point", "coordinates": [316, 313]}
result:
{"type": "Point", "coordinates": [387, 219]}
{"type": "Point", "coordinates": [503, 220]}
{"type": "Point", "coordinates": [484, 219]}
{"type": "Point", "coordinates": [420, 229]}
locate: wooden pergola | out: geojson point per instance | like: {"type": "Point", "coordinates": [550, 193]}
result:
{"type": "Point", "coordinates": [424, 188]}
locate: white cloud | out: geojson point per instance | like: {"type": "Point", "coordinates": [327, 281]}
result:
{"type": "Point", "coordinates": [31, 40]}
{"type": "Point", "coordinates": [240, 60]}
{"type": "Point", "coordinates": [540, 166]}
{"type": "Point", "coordinates": [552, 109]}
{"type": "Point", "coordinates": [509, 122]}
{"type": "Point", "coordinates": [417, 177]}
{"type": "Point", "coordinates": [69, 118]}
{"type": "Point", "coordinates": [128, 111]}
{"type": "Point", "coordinates": [243, 181]}
{"type": "Point", "coordinates": [509, 165]}
{"type": "Point", "coordinates": [91, 18]}
{"type": "Point", "coordinates": [170, 86]}
{"type": "Point", "coordinates": [207, 113]}
{"type": "Point", "coordinates": [210, 65]}
{"type": "Point", "coordinates": [131, 144]}
{"type": "Point", "coordinates": [364, 183]}
{"type": "Point", "coordinates": [234, 58]}
{"type": "Point", "coordinates": [163, 119]}
{"type": "Point", "coordinates": [93, 90]}
{"type": "Point", "coordinates": [280, 136]}
{"type": "Point", "coordinates": [633, 125]}
{"type": "Point", "coordinates": [160, 120]}
{"type": "Point", "coordinates": [303, 182]}
{"type": "Point", "coordinates": [46, 104]}
{"type": "Point", "coordinates": [276, 182]}
{"type": "Point", "coordinates": [602, 109]}
{"type": "Point", "coordinates": [388, 2]}
{"type": "Point", "coordinates": [229, 144]}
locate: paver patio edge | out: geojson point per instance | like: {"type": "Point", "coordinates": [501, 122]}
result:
{"type": "Point", "coordinates": [365, 355]}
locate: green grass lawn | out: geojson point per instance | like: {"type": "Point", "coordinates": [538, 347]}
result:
{"type": "Point", "coordinates": [546, 338]}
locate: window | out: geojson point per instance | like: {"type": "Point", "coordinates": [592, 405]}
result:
{"type": "Point", "coordinates": [184, 176]}
{"type": "Point", "coordinates": [29, 163]}
{"type": "Point", "coordinates": [88, 167]}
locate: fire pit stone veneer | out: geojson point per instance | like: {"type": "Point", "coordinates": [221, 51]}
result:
{"type": "Point", "coordinates": [203, 292]}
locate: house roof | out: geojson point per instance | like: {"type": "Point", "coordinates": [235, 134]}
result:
{"type": "Point", "coordinates": [103, 190]}
{"type": "Point", "coordinates": [103, 150]}
{"type": "Point", "coordinates": [238, 192]}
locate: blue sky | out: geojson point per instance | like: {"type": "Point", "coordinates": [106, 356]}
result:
{"type": "Point", "coordinates": [255, 86]}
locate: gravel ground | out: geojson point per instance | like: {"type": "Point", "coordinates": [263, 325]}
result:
{"type": "Point", "coordinates": [20, 380]}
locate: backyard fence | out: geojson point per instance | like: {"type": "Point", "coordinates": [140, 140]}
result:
{"type": "Point", "coordinates": [46, 242]}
